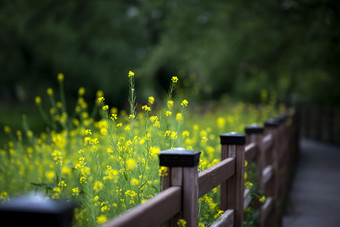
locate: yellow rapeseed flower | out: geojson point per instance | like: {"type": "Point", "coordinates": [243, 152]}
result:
{"type": "Point", "coordinates": [184, 103]}
{"type": "Point", "coordinates": [59, 105]}
{"type": "Point", "coordinates": [60, 77]}
{"type": "Point", "coordinates": [75, 191]}
{"type": "Point", "coordinates": [49, 91]}
{"type": "Point", "coordinates": [131, 74]}
{"type": "Point", "coordinates": [114, 116]}
{"type": "Point", "coordinates": [170, 103]}
{"type": "Point", "coordinates": [204, 139]}
{"type": "Point", "coordinates": [82, 180]}
{"type": "Point", "coordinates": [181, 223]}
{"type": "Point", "coordinates": [219, 213]}
{"type": "Point", "coordinates": [153, 118]}
{"type": "Point", "coordinates": [50, 175]}
{"type": "Point", "coordinates": [146, 108]}
{"type": "Point", "coordinates": [248, 184]}
{"type": "Point", "coordinates": [81, 91]}
{"type": "Point", "coordinates": [163, 171]}
{"type": "Point", "coordinates": [220, 122]}
{"type": "Point", "coordinates": [101, 219]}
{"type": "Point", "coordinates": [167, 133]}
{"type": "Point", "coordinates": [106, 107]}
{"type": "Point", "coordinates": [7, 129]}
{"type": "Point", "coordinates": [130, 164]}
{"type": "Point", "coordinates": [134, 182]}
{"type": "Point", "coordinates": [99, 93]}
{"type": "Point", "coordinates": [114, 110]}
{"type": "Point", "coordinates": [66, 170]}
{"type": "Point", "coordinates": [98, 186]}
{"type": "Point", "coordinates": [103, 131]}
{"type": "Point", "coordinates": [168, 113]}
{"type": "Point", "coordinates": [173, 135]}
{"type": "Point", "coordinates": [151, 100]}
{"type": "Point", "coordinates": [4, 196]}
{"type": "Point", "coordinates": [37, 100]}
{"type": "Point", "coordinates": [174, 79]}
{"type": "Point", "coordinates": [88, 132]}
{"type": "Point", "coordinates": [178, 116]}
{"type": "Point", "coordinates": [100, 99]}
{"type": "Point", "coordinates": [154, 151]}
{"type": "Point", "coordinates": [262, 199]}
{"type": "Point", "coordinates": [19, 134]}
{"type": "Point", "coordinates": [185, 134]}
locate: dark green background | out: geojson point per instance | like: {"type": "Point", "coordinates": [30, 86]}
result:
{"type": "Point", "coordinates": [230, 47]}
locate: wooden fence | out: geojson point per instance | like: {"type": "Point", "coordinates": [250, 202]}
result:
{"type": "Point", "coordinates": [271, 147]}
{"type": "Point", "coordinates": [321, 123]}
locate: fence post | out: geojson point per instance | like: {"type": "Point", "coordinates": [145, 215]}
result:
{"type": "Point", "coordinates": [271, 127]}
{"type": "Point", "coordinates": [35, 210]}
{"type": "Point", "coordinates": [254, 134]}
{"type": "Point", "coordinates": [284, 155]}
{"type": "Point", "coordinates": [183, 171]}
{"type": "Point", "coordinates": [232, 190]}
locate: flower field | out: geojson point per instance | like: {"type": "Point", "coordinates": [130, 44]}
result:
{"type": "Point", "coordinates": [110, 164]}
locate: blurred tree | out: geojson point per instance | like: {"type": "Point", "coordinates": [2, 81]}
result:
{"type": "Point", "coordinates": [238, 47]}
{"type": "Point", "coordinates": [93, 43]}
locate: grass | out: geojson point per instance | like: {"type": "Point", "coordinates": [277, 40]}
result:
{"type": "Point", "coordinates": [111, 164]}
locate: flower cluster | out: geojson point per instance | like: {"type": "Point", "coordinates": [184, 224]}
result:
{"type": "Point", "coordinates": [110, 164]}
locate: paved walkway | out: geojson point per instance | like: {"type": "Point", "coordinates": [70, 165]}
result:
{"type": "Point", "coordinates": [315, 192]}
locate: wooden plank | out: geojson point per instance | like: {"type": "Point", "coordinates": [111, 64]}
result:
{"type": "Point", "coordinates": [176, 180]}
{"type": "Point", "coordinates": [215, 175]}
{"type": "Point", "coordinates": [236, 184]}
{"type": "Point", "coordinates": [247, 198]}
{"type": "Point", "coordinates": [225, 220]}
{"type": "Point", "coordinates": [266, 209]}
{"type": "Point", "coordinates": [176, 176]}
{"type": "Point", "coordinates": [267, 142]}
{"type": "Point", "coordinates": [190, 196]}
{"type": "Point", "coordinates": [267, 173]}
{"type": "Point", "coordinates": [250, 151]}
{"type": "Point", "coordinates": [224, 185]}
{"type": "Point", "coordinates": [153, 212]}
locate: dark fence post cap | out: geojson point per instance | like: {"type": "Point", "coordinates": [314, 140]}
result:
{"type": "Point", "coordinates": [34, 209]}
{"type": "Point", "coordinates": [179, 157]}
{"type": "Point", "coordinates": [271, 123]}
{"type": "Point", "coordinates": [233, 138]}
{"type": "Point", "coordinates": [282, 118]}
{"type": "Point", "coordinates": [254, 129]}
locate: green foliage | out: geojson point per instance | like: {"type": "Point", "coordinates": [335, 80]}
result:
{"type": "Point", "coordinates": [110, 165]}
{"type": "Point", "coordinates": [234, 47]}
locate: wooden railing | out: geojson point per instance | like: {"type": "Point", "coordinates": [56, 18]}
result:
{"type": "Point", "coordinates": [271, 147]}
{"type": "Point", "coordinates": [321, 123]}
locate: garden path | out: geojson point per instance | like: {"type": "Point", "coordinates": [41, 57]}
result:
{"type": "Point", "coordinates": [315, 193]}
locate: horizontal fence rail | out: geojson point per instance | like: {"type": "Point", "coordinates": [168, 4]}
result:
{"type": "Point", "coordinates": [212, 177]}
{"type": "Point", "coordinates": [154, 212]}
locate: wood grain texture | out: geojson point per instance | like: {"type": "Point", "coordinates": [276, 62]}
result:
{"type": "Point", "coordinates": [247, 198]}
{"type": "Point", "coordinates": [226, 219]}
{"type": "Point", "coordinates": [153, 212]}
{"type": "Point", "coordinates": [190, 196]}
{"type": "Point", "coordinates": [267, 174]}
{"type": "Point", "coordinates": [266, 209]}
{"type": "Point", "coordinates": [250, 152]}
{"type": "Point", "coordinates": [215, 175]}
{"type": "Point", "coordinates": [267, 142]}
